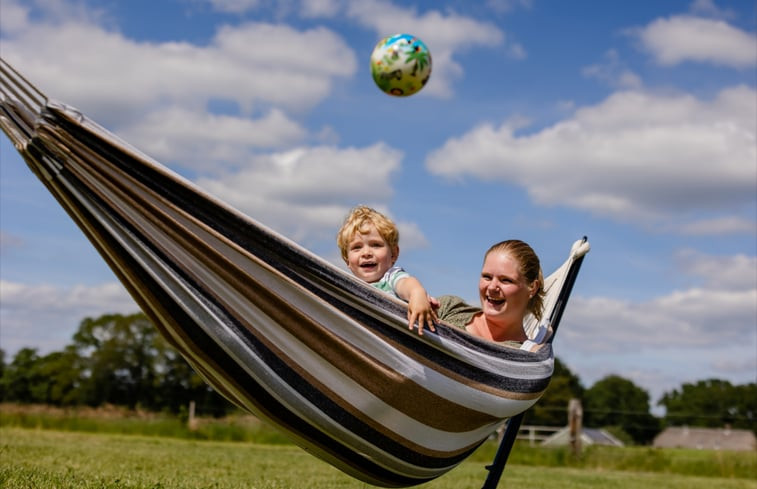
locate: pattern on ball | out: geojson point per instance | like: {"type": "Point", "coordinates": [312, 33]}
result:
{"type": "Point", "coordinates": [400, 65]}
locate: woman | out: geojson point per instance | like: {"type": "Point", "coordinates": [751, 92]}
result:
{"type": "Point", "coordinates": [510, 286]}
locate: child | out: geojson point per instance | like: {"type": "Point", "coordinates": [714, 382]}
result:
{"type": "Point", "coordinates": [369, 242]}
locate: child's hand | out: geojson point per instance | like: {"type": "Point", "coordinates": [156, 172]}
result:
{"type": "Point", "coordinates": [421, 309]}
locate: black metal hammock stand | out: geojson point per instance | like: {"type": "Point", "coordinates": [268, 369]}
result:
{"type": "Point", "coordinates": [277, 330]}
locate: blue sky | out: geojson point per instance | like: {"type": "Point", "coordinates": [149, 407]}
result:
{"type": "Point", "coordinates": [630, 122]}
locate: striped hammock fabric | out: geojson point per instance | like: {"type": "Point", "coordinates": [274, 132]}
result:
{"type": "Point", "coordinates": [275, 329]}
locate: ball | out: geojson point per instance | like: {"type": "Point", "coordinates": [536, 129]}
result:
{"type": "Point", "coordinates": [400, 65]}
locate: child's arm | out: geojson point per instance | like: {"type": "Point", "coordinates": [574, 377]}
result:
{"type": "Point", "coordinates": [420, 306]}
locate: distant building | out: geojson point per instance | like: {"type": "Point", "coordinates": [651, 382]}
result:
{"type": "Point", "coordinates": [589, 436]}
{"type": "Point", "coordinates": [706, 438]}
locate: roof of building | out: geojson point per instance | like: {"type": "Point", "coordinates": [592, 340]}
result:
{"type": "Point", "coordinates": [589, 436]}
{"type": "Point", "coordinates": [706, 438]}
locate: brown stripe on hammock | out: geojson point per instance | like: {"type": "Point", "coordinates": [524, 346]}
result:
{"type": "Point", "coordinates": [204, 253]}
{"type": "Point", "coordinates": [133, 186]}
{"type": "Point", "coordinates": [419, 404]}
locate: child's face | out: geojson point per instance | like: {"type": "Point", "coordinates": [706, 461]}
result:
{"type": "Point", "coordinates": [369, 256]}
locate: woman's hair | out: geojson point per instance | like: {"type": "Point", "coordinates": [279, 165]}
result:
{"type": "Point", "coordinates": [356, 222]}
{"type": "Point", "coordinates": [529, 268]}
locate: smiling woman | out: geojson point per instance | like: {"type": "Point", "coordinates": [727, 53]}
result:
{"type": "Point", "coordinates": [510, 287]}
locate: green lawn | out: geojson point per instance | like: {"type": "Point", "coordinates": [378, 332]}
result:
{"type": "Point", "coordinates": [55, 459]}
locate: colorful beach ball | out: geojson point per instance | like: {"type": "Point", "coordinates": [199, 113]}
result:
{"type": "Point", "coordinates": [401, 65]}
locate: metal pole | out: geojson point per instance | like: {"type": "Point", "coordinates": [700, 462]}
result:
{"type": "Point", "coordinates": [503, 452]}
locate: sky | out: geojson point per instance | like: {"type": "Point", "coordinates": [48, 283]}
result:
{"type": "Point", "coordinates": [632, 123]}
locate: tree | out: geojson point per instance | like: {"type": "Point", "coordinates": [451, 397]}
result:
{"type": "Point", "coordinates": [57, 377]}
{"type": "Point", "coordinates": [618, 402]}
{"type": "Point", "coordinates": [123, 360]}
{"type": "Point", "coordinates": [116, 352]}
{"type": "Point", "coordinates": [178, 384]}
{"type": "Point", "coordinates": [114, 359]}
{"type": "Point", "coordinates": [2, 374]}
{"type": "Point", "coordinates": [712, 403]}
{"type": "Point", "coordinates": [33, 379]}
{"type": "Point", "coordinates": [552, 408]}
{"type": "Point", "coordinates": [19, 376]}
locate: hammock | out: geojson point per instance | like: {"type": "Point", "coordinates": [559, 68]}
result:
{"type": "Point", "coordinates": [275, 329]}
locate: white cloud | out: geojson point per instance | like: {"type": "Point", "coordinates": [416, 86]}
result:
{"type": "Point", "coordinates": [683, 38]}
{"type": "Point", "coordinates": [8, 241]}
{"type": "Point", "coordinates": [446, 35]}
{"type": "Point", "coordinates": [158, 95]}
{"type": "Point", "coordinates": [506, 6]}
{"type": "Point", "coordinates": [614, 72]}
{"type": "Point", "coordinates": [235, 6]}
{"type": "Point", "coordinates": [47, 316]}
{"type": "Point", "coordinates": [736, 365]}
{"type": "Point", "coordinates": [116, 79]}
{"type": "Point", "coordinates": [730, 273]}
{"type": "Point", "coordinates": [707, 331]}
{"type": "Point", "coordinates": [696, 333]}
{"type": "Point", "coordinates": [200, 140]}
{"type": "Point", "coordinates": [320, 8]}
{"type": "Point", "coordinates": [679, 319]}
{"type": "Point", "coordinates": [13, 18]}
{"type": "Point", "coordinates": [517, 51]}
{"type": "Point", "coordinates": [635, 155]}
{"type": "Point", "coordinates": [720, 226]}
{"type": "Point", "coordinates": [305, 193]}
{"type": "Point", "coordinates": [411, 236]}
{"type": "Point", "coordinates": [708, 8]}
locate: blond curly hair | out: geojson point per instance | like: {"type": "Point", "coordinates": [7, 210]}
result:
{"type": "Point", "coordinates": [356, 222]}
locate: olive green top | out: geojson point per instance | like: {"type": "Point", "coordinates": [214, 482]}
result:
{"type": "Point", "coordinates": [455, 311]}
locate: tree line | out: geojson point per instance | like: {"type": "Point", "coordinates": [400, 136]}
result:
{"type": "Point", "coordinates": [123, 360]}
{"type": "Point", "coordinates": [114, 359]}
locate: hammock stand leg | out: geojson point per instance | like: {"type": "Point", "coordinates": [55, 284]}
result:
{"type": "Point", "coordinates": [503, 452]}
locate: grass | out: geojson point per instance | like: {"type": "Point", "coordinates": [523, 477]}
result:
{"type": "Point", "coordinates": [32, 458]}
{"type": "Point", "coordinates": [702, 463]}
{"type": "Point", "coordinates": [114, 419]}
{"type": "Point", "coordinates": [113, 447]}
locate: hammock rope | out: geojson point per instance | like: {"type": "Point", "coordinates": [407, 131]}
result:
{"type": "Point", "coordinates": [277, 330]}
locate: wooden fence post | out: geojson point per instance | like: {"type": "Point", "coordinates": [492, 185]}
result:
{"type": "Point", "coordinates": [575, 418]}
{"type": "Point", "coordinates": [192, 422]}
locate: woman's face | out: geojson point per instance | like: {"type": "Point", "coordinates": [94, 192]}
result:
{"type": "Point", "coordinates": [503, 291]}
{"type": "Point", "coordinates": [369, 256]}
